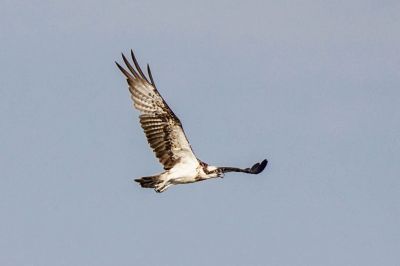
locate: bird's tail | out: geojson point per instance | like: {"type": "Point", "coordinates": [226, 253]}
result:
{"type": "Point", "coordinates": [149, 181]}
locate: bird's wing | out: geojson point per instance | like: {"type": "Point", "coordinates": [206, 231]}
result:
{"type": "Point", "coordinates": [162, 127]}
{"type": "Point", "coordinates": [255, 169]}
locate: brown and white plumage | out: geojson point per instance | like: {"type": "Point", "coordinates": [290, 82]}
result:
{"type": "Point", "coordinates": [162, 127]}
{"type": "Point", "coordinates": [166, 136]}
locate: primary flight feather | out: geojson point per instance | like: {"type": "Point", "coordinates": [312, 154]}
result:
{"type": "Point", "coordinates": [166, 136]}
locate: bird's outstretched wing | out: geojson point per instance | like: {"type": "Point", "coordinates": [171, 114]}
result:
{"type": "Point", "coordinates": [162, 127]}
{"type": "Point", "coordinates": [255, 169]}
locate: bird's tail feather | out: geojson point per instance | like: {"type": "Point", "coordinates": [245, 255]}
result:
{"type": "Point", "coordinates": [149, 181]}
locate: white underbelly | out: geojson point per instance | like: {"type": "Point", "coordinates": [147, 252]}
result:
{"type": "Point", "coordinates": [183, 173]}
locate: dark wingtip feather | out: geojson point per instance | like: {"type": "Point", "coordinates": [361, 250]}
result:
{"type": "Point", "coordinates": [130, 66]}
{"type": "Point", "coordinates": [126, 73]}
{"type": "Point", "coordinates": [138, 66]}
{"type": "Point", "coordinates": [150, 75]}
{"type": "Point", "coordinates": [259, 167]}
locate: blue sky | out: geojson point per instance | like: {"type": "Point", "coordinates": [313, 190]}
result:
{"type": "Point", "coordinates": [310, 85]}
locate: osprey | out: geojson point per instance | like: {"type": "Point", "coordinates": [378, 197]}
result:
{"type": "Point", "coordinates": [166, 136]}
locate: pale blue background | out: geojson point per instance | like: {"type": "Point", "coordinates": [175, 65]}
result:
{"type": "Point", "coordinates": [314, 86]}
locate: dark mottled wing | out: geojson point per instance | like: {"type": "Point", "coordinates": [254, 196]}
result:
{"type": "Point", "coordinates": [162, 127]}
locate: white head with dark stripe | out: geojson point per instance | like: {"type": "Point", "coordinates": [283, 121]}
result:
{"type": "Point", "coordinates": [211, 171]}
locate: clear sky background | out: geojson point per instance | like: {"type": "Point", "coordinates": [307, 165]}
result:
{"type": "Point", "coordinates": [314, 86]}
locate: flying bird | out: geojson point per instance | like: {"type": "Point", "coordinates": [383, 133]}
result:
{"type": "Point", "coordinates": [166, 136]}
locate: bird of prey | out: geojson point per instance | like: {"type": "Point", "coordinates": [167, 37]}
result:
{"type": "Point", "coordinates": [166, 136]}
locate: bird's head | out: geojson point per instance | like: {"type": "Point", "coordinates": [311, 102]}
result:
{"type": "Point", "coordinates": [213, 171]}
